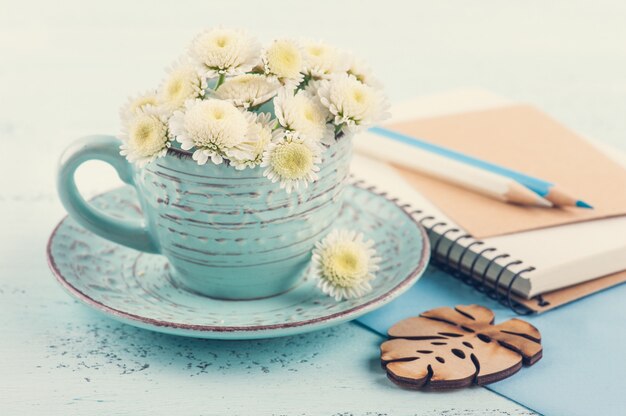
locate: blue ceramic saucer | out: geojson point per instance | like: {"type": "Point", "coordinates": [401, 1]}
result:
{"type": "Point", "coordinates": [135, 287]}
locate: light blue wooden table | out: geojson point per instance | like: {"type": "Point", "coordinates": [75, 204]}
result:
{"type": "Point", "coordinates": [65, 68]}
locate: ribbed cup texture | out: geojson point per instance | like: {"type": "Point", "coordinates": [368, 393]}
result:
{"type": "Point", "coordinates": [235, 234]}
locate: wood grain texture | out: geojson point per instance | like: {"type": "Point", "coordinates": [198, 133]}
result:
{"type": "Point", "coordinates": [449, 348]}
{"type": "Point", "coordinates": [61, 358]}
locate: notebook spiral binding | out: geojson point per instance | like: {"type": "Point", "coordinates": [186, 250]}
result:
{"type": "Point", "coordinates": [474, 278]}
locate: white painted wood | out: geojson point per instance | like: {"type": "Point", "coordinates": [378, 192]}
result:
{"type": "Point", "coordinates": [60, 358]}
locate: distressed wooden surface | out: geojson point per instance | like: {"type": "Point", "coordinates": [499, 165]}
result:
{"type": "Point", "coordinates": [66, 67]}
{"type": "Point", "coordinates": [58, 357]}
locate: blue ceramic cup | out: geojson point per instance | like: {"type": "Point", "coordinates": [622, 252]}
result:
{"type": "Point", "coordinates": [227, 233]}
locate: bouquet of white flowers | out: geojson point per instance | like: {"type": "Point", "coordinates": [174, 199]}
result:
{"type": "Point", "coordinates": [278, 107]}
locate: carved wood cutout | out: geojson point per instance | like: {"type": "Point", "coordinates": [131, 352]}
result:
{"type": "Point", "coordinates": [448, 348]}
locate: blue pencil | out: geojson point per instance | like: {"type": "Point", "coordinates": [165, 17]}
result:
{"type": "Point", "coordinates": [545, 189]}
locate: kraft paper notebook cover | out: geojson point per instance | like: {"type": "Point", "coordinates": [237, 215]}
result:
{"type": "Point", "coordinates": [561, 262]}
{"type": "Point", "coordinates": [522, 138]}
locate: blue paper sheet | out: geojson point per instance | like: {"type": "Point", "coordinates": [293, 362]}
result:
{"type": "Point", "coordinates": [584, 360]}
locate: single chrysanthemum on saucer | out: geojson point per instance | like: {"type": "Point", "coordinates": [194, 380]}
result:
{"type": "Point", "coordinates": [248, 90]}
{"type": "Point", "coordinates": [212, 127]}
{"type": "Point", "coordinates": [183, 83]}
{"type": "Point", "coordinates": [145, 136]}
{"type": "Point", "coordinates": [345, 264]}
{"type": "Point", "coordinates": [303, 114]}
{"type": "Point", "coordinates": [222, 51]}
{"type": "Point", "coordinates": [322, 60]}
{"type": "Point", "coordinates": [353, 104]}
{"type": "Point", "coordinates": [137, 103]}
{"type": "Point", "coordinates": [250, 152]}
{"type": "Point", "coordinates": [291, 160]}
{"type": "Point", "coordinates": [283, 60]}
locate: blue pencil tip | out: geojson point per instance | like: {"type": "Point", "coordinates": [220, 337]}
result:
{"type": "Point", "coordinates": [583, 204]}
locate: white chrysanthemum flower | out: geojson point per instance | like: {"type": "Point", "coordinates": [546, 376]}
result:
{"type": "Point", "coordinates": [352, 103]}
{"type": "Point", "coordinates": [361, 71]}
{"type": "Point", "coordinates": [247, 90]}
{"type": "Point", "coordinates": [212, 127]}
{"type": "Point", "coordinates": [222, 51]}
{"type": "Point", "coordinates": [312, 86]}
{"type": "Point", "coordinates": [283, 59]}
{"type": "Point", "coordinates": [292, 160]}
{"type": "Point", "coordinates": [312, 89]}
{"type": "Point", "coordinates": [259, 136]}
{"type": "Point", "coordinates": [303, 114]}
{"type": "Point", "coordinates": [183, 83]}
{"type": "Point", "coordinates": [137, 103]}
{"type": "Point", "coordinates": [345, 264]}
{"type": "Point", "coordinates": [145, 136]}
{"type": "Point", "coordinates": [322, 60]}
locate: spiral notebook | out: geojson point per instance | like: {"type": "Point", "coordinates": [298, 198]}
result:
{"type": "Point", "coordinates": [530, 260]}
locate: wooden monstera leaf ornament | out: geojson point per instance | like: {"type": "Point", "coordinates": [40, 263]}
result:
{"type": "Point", "coordinates": [448, 348]}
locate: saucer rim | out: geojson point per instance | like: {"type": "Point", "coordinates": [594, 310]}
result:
{"type": "Point", "coordinates": [397, 290]}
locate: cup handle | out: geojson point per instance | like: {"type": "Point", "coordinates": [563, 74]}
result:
{"type": "Point", "coordinates": [134, 234]}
